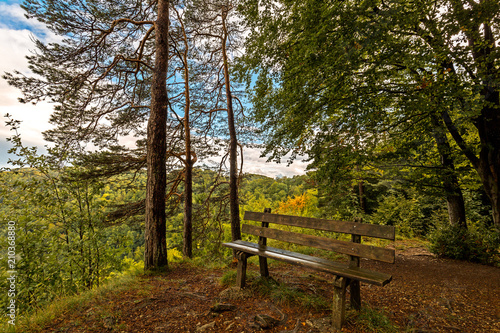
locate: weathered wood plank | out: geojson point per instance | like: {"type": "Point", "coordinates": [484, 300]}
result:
{"type": "Point", "coordinates": [363, 229]}
{"type": "Point", "coordinates": [349, 248]}
{"type": "Point", "coordinates": [320, 264]}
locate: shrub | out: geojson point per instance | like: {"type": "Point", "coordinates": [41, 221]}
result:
{"type": "Point", "coordinates": [476, 244]}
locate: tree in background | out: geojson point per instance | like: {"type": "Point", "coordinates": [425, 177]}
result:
{"type": "Point", "coordinates": [350, 69]}
{"type": "Point", "coordinates": [217, 33]}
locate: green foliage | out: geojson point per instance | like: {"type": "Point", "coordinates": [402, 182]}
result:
{"type": "Point", "coordinates": [477, 244]}
{"type": "Point", "coordinates": [63, 245]}
{"type": "Point", "coordinates": [229, 278]}
{"type": "Point", "coordinates": [259, 192]}
{"type": "Point", "coordinates": [339, 84]}
{"type": "Point", "coordinates": [410, 212]}
{"type": "Point", "coordinates": [477, 206]}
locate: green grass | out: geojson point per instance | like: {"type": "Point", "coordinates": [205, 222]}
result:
{"type": "Point", "coordinates": [375, 321]}
{"type": "Point", "coordinates": [285, 294]}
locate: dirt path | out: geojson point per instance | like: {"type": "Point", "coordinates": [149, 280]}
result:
{"type": "Point", "coordinates": [426, 295]}
{"type": "Point", "coordinates": [439, 295]}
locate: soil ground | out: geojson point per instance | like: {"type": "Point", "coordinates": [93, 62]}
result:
{"type": "Point", "coordinates": [427, 294]}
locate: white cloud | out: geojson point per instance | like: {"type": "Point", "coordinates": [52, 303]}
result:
{"type": "Point", "coordinates": [16, 33]}
{"type": "Point", "coordinates": [253, 163]}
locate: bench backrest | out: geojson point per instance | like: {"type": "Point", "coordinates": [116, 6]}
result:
{"type": "Point", "coordinates": [353, 248]}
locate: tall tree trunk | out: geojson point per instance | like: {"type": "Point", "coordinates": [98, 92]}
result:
{"type": "Point", "coordinates": [188, 209]}
{"type": "Point", "coordinates": [361, 193]}
{"type": "Point", "coordinates": [487, 122]}
{"type": "Point", "coordinates": [488, 166]}
{"type": "Point", "coordinates": [485, 55]}
{"type": "Point", "coordinates": [491, 187]}
{"type": "Point", "coordinates": [488, 125]}
{"type": "Point", "coordinates": [155, 253]}
{"type": "Point", "coordinates": [362, 197]}
{"type": "Point", "coordinates": [454, 196]}
{"type": "Point", "coordinates": [233, 144]}
{"type": "Point", "coordinates": [188, 177]}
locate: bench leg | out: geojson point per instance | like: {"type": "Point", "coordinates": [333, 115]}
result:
{"type": "Point", "coordinates": [242, 270]}
{"type": "Point", "coordinates": [355, 295]}
{"type": "Point", "coordinates": [264, 271]}
{"type": "Point", "coordinates": [338, 311]}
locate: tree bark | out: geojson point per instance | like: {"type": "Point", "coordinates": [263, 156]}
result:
{"type": "Point", "coordinates": [488, 125]}
{"type": "Point", "coordinates": [188, 209]}
{"type": "Point", "coordinates": [454, 196]}
{"type": "Point", "coordinates": [155, 253]}
{"type": "Point", "coordinates": [233, 144]}
{"type": "Point", "coordinates": [489, 171]}
{"type": "Point", "coordinates": [362, 197]}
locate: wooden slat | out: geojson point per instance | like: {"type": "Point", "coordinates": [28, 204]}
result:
{"type": "Point", "coordinates": [350, 248]}
{"type": "Point", "coordinates": [320, 264]}
{"type": "Point", "coordinates": [363, 229]}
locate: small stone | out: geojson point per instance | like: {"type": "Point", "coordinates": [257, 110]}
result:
{"type": "Point", "coordinates": [205, 327]}
{"type": "Point", "coordinates": [323, 325]}
{"type": "Point", "coordinates": [265, 321]}
{"type": "Point", "coordinates": [232, 293]}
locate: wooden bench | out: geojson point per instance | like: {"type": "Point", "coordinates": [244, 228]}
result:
{"type": "Point", "coordinates": [345, 274]}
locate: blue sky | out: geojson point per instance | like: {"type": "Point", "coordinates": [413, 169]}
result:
{"type": "Point", "coordinates": [16, 33]}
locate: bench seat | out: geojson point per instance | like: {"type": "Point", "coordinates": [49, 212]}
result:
{"type": "Point", "coordinates": [319, 264]}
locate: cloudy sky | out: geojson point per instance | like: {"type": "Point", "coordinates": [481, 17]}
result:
{"type": "Point", "coordinates": [16, 33]}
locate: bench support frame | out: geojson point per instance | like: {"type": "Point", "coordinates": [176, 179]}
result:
{"type": "Point", "coordinates": [242, 269]}
{"type": "Point", "coordinates": [338, 308]}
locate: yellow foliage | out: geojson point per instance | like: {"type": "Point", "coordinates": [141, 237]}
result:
{"type": "Point", "coordinates": [301, 205]}
{"type": "Point", "coordinates": [173, 255]}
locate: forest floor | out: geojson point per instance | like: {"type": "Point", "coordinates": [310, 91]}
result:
{"type": "Point", "coordinates": [427, 294]}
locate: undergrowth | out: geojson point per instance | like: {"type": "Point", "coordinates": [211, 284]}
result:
{"type": "Point", "coordinates": [285, 294]}
{"type": "Point", "coordinates": [375, 321]}
{"type": "Point", "coordinates": [476, 244]}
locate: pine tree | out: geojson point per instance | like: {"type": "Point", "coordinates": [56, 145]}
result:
{"type": "Point", "coordinates": [107, 76]}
